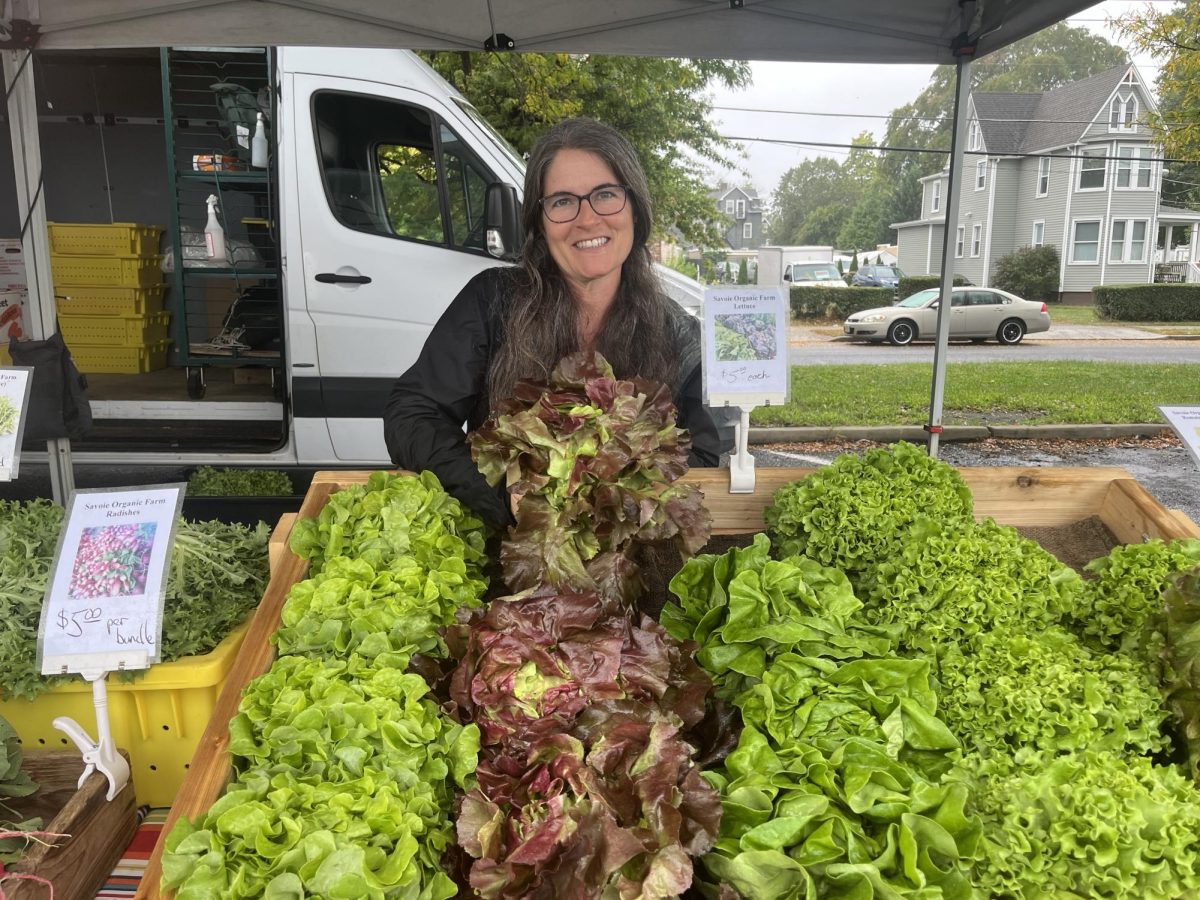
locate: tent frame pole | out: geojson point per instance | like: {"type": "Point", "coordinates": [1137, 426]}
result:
{"type": "Point", "coordinates": [964, 50]}
{"type": "Point", "coordinates": [41, 312]}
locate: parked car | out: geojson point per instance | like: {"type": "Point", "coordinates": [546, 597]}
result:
{"type": "Point", "coordinates": [809, 274]}
{"type": "Point", "coordinates": [876, 276]}
{"type": "Point", "coordinates": [975, 313]}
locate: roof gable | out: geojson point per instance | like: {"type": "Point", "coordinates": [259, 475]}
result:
{"type": "Point", "coordinates": [1013, 122]}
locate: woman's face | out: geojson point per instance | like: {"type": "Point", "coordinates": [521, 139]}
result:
{"type": "Point", "coordinates": [590, 250]}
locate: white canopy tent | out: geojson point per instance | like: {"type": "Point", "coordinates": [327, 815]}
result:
{"type": "Point", "coordinates": [868, 31]}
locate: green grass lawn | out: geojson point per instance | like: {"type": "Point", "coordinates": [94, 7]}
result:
{"type": "Point", "coordinates": [1033, 393]}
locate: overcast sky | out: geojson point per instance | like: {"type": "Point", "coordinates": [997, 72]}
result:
{"type": "Point", "coordinates": [841, 88]}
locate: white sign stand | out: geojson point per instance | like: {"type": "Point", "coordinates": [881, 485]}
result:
{"type": "Point", "coordinates": [745, 362]}
{"type": "Point", "coordinates": [103, 606]}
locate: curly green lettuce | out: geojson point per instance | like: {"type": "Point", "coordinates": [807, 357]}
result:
{"type": "Point", "coordinates": [856, 511]}
{"type": "Point", "coordinates": [1004, 691]}
{"type": "Point", "coordinates": [1089, 824]}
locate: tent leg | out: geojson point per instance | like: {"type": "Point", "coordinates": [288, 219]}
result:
{"type": "Point", "coordinates": [954, 192]}
{"type": "Point", "coordinates": [35, 241]}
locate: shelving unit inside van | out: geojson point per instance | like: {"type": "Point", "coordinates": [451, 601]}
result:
{"type": "Point", "coordinates": [225, 311]}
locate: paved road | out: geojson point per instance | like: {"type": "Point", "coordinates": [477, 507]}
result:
{"type": "Point", "coordinates": [1062, 343]}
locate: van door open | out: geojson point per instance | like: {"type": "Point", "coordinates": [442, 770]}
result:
{"type": "Point", "coordinates": [390, 194]}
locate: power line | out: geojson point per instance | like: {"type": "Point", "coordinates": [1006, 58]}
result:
{"type": "Point", "coordinates": [945, 118]}
{"type": "Point", "coordinates": [983, 153]}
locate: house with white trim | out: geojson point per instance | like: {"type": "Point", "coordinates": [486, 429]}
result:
{"type": "Point", "coordinates": [1075, 167]}
{"type": "Point", "coordinates": [744, 208]}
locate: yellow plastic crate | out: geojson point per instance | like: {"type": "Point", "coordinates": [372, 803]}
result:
{"type": "Point", "coordinates": [114, 331]}
{"type": "Point", "coordinates": [118, 271]}
{"type": "Point", "coordinates": [158, 718]}
{"type": "Point", "coordinates": [119, 360]}
{"type": "Point", "coordinates": [93, 300]}
{"type": "Point", "coordinates": [117, 239]}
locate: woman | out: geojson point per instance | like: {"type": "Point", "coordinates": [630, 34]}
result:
{"type": "Point", "coordinates": [585, 282]}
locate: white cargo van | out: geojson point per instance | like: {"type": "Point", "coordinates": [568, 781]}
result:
{"type": "Point", "coordinates": [363, 271]}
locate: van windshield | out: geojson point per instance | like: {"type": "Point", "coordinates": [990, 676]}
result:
{"type": "Point", "coordinates": [500, 139]}
{"type": "Point", "coordinates": [814, 272]}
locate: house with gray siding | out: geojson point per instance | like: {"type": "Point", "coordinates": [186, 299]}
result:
{"type": "Point", "coordinates": [1075, 167]}
{"type": "Point", "coordinates": [743, 207]}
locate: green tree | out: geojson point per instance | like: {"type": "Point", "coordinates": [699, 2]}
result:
{"type": "Point", "coordinates": [854, 263]}
{"type": "Point", "coordinates": [1041, 62]}
{"type": "Point", "coordinates": [743, 276]}
{"type": "Point", "coordinates": [1172, 36]}
{"type": "Point", "coordinates": [1029, 272]}
{"type": "Point", "coordinates": [811, 185]}
{"type": "Point", "coordinates": [659, 104]}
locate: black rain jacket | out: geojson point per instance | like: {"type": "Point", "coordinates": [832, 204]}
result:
{"type": "Point", "coordinates": [447, 386]}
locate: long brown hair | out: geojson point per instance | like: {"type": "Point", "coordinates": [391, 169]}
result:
{"type": "Point", "coordinates": [541, 326]}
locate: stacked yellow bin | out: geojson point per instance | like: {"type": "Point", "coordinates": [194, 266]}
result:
{"type": "Point", "coordinates": [108, 283]}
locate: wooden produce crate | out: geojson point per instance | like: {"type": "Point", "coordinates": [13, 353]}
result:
{"type": "Point", "coordinates": [99, 830]}
{"type": "Point", "coordinates": [1021, 497]}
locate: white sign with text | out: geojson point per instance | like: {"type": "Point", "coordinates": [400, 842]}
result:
{"type": "Point", "coordinates": [103, 608]}
{"type": "Point", "coordinates": [14, 400]}
{"type": "Point", "coordinates": [1186, 422]}
{"type": "Point", "coordinates": [745, 346]}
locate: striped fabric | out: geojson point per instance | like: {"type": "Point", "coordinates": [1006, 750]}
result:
{"type": "Point", "coordinates": [123, 883]}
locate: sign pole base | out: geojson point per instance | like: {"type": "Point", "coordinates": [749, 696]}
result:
{"type": "Point", "coordinates": [741, 463]}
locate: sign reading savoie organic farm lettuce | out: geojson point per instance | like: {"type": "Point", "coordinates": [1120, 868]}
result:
{"type": "Point", "coordinates": [14, 399]}
{"type": "Point", "coordinates": [103, 606]}
{"type": "Point", "coordinates": [1186, 422]}
{"type": "Point", "coordinates": [745, 346]}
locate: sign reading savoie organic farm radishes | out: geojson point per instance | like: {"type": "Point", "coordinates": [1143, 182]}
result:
{"type": "Point", "coordinates": [14, 400]}
{"type": "Point", "coordinates": [103, 607]}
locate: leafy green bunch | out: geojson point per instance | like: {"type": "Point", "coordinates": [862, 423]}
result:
{"type": "Point", "coordinates": [351, 607]}
{"type": "Point", "coordinates": [215, 576]}
{"type": "Point", "coordinates": [856, 512]}
{"type": "Point", "coordinates": [1004, 691]}
{"type": "Point", "coordinates": [392, 515]}
{"type": "Point", "coordinates": [347, 776]}
{"type": "Point", "coordinates": [14, 782]}
{"type": "Point", "coordinates": [206, 481]}
{"type": "Point", "coordinates": [1091, 823]}
{"type": "Point", "coordinates": [1181, 677]}
{"type": "Point", "coordinates": [951, 580]}
{"type": "Point", "coordinates": [592, 461]}
{"type": "Point", "coordinates": [744, 609]}
{"type": "Point", "coordinates": [1125, 595]}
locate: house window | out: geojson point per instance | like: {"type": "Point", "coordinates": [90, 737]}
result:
{"type": "Point", "coordinates": [936, 202]}
{"type": "Point", "coordinates": [980, 174]}
{"type": "Point", "coordinates": [973, 135]}
{"type": "Point", "coordinates": [1039, 233]}
{"type": "Point", "coordinates": [976, 239]}
{"type": "Point", "coordinates": [958, 241]}
{"type": "Point", "coordinates": [741, 209]}
{"type": "Point", "coordinates": [1122, 113]}
{"type": "Point", "coordinates": [1043, 181]}
{"type": "Point", "coordinates": [729, 207]}
{"type": "Point", "coordinates": [1091, 170]}
{"type": "Point", "coordinates": [1127, 241]}
{"type": "Point", "coordinates": [1085, 241]}
{"type": "Point", "coordinates": [747, 230]}
{"type": "Point", "coordinates": [1133, 167]}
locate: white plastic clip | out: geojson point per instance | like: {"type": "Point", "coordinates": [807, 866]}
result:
{"type": "Point", "coordinates": [98, 756]}
{"type": "Point", "coordinates": [741, 463]}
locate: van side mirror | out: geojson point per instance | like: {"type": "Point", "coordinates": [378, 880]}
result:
{"type": "Point", "coordinates": [502, 212]}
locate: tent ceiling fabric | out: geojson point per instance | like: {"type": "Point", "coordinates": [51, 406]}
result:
{"type": "Point", "coordinates": [867, 31]}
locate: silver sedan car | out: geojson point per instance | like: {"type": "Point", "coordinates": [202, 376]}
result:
{"type": "Point", "coordinates": [975, 313]}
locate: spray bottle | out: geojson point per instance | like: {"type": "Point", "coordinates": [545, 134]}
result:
{"type": "Point", "coordinates": [258, 146]}
{"type": "Point", "coordinates": [214, 234]}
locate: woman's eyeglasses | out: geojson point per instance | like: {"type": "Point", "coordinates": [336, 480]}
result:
{"type": "Point", "coordinates": [606, 200]}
